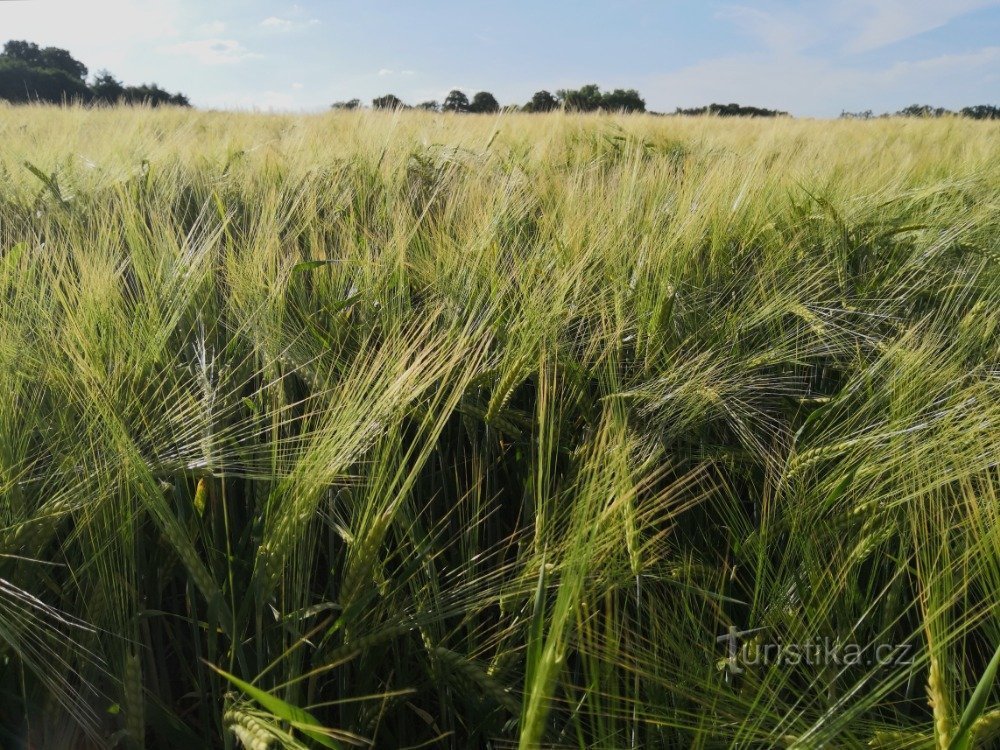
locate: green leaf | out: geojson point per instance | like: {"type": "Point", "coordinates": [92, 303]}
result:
{"type": "Point", "coordinates": [297, 717]}
{"type": "Point", "coordinates": [977, 704]}
{"type": "Point", "coordinates": [536, 630]}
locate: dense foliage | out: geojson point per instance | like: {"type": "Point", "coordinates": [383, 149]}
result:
{"type": "Point", "coordinates": [29, 73]}
{"type": "Point", "coordinates": [464, 432]}
{"type": "Point", "coordinates": [978, 112]}
{"type": "Point", "coordinates": [732, 110]}
{"type": "Point", "coordinates": [588, 98]}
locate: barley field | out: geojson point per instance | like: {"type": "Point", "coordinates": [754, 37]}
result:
{"type": "Point", "coordinates": [531, 431]}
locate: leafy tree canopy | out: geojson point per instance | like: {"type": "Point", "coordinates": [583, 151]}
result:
{"type": "Point", "coordinates": [590, 98]}
{"type": "Point", "coordinates": [484, 101]}
{"type": "Point", "coordinates": [456, 101]}
{"type": "Point", "coordinates": [977, 112]}
{"type": "Point", "coordinates": [388, 101]}
{"type": "Point", "coordinates": [29, 73]}
{"type": "Point", "coordinates": [49, 58]}
{"type": "Point", "coordinates": [542, 101]}
{"type": "Point", "coordinates": [732, 110]}
{"type": "Point", "coordinates": [981, 112]}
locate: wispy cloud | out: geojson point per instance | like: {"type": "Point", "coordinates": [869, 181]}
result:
{"type": "Point", "coordinates": [213, 51]}
{"type": "Point", "coordinates": [383, 72]}
{"type": "Point", "coordinates": [278, 24]}
{"type": "Point", "coordinates": [779, 31]}
{"type": "Point", "coordinates": [854, 26]}
{"type": "Point", "coordinates": [987, 57]}
{"type": "Point", "coordinates": [274, 23]}
{"type": "Point", "coordinates": [884, 22]}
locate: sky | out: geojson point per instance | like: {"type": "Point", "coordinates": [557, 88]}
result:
{"type": "Point", "coordinates": [813, 58]}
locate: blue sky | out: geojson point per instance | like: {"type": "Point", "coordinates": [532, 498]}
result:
{"type": "Point", "coordinates": [811, 58]}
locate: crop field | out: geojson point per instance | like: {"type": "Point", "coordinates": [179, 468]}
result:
{"type": "Point", "coordinates": [408, 430]}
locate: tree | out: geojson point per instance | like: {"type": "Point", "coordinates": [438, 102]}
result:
{"type": "Point", "coordinates": [59, 59]}
{"type": "Point", "coordinates": [430, 106]}
{"type": "Point", "coordinates": [584, 99]}
{"type": "Point", "coordinates": [731, 110]}
{"type": "Point", "coordinates": [456, 101]}
{"type": "Point", "coordinates": [107, 89]}
{"type": "Point", "coordinates": [30, 73]}
{"type": "Point", "coordinates": [922, 110]}
{"type": "Point", "coordinates": [152, 95]}
{"type": "Point", "coordinates": [348, 105]}
{"type": "Point", "coordinates": [20, 83]}
{"type": "Point", "coordinates": [49, 58]}
{"type": "Point", "coordinates": [389, 101]}
{"type": "Point", "coordinates": [542, 101]}
{"type": "Point", "coordinates": [623, 100]}
{"type": "Point", "coordinates": [484, 102]}
{"type": "Point", "coordinates": [981, 112]}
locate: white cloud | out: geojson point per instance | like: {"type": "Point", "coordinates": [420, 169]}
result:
{"type": "Point", "coordinates": [407, 72]}
{"type": "Point", "coordinates": [854, 25]}
{"type": "Point", "coordinates": [298, 86]}
{"type": "Point", "coordinates": [986, 57]}
{"type": "Point", "coordinates": [385, 72]}
{"type": "Point", "coordinates": [884, 22]}
{"type": "Point", "coordinates": [277, 24]}
{"type": "Point", "coordinates": [274, 23]}
{"type": "Point", "coordinates": [213, 51]}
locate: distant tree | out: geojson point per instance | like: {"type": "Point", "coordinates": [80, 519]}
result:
{"type": "Point", "coordinates": [349, 104]}
{"type": "Point", "coordinates": [151, 95]}
{"type": "Point", "coordinates": [584, 99]}
{"type": "Point", "coordinates": [389, 101]}
{"type": "Point", "coordinates": [484, 101]}
{"type": "Point", "coordinates": [48, 58]}
{"type": "Point", "coordinates": [981, 112]}
{"type": "Point", "coordinates": [456, 101]}
{"type": "Point", "coordinates": [27, 52]}
{"type": "Point", "coordinates": [923, 110]}
{"type": "Point", "coordinates": [623, 100]}
{"type": "Point", "coordinates": [542, 101]}
{"type": "Point", "coordinates": [866, 114]}
{"type": "Point", "coordinates": [430, 106]}
{"type": "Point", "coordinates": [20, 83]}
{"type": "Point", "coordinates": [106, 89]}
{"type": "Point", "coordinates": [32, 73]}
{"type": "Point", "coordinates": [732, 110]}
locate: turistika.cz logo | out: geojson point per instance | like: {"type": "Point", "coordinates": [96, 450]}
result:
{"type": "Point", "coordinates": [749, 648]}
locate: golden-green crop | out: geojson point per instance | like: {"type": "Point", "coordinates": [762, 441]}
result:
{"type": "Point", "coordinates": [419, 430]}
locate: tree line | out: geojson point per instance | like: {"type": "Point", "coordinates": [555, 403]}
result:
{"type": "Point", "coordinates": [977, 112]}
{"type": "Point", "coordinates": [29, 73]}
{"type": "Point", "coordinates": [587, 98]}
{"type": "Point", "coordinates": [731, 110]}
